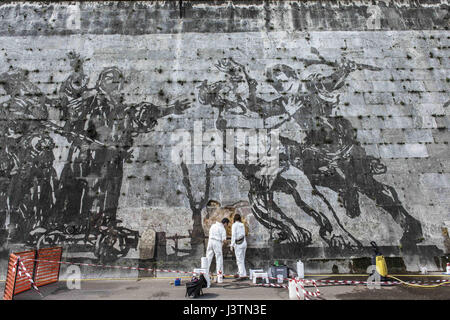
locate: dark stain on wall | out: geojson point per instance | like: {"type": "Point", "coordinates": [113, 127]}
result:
{"type": "Point", "coordinates": [80, 207]}
{"type": "Point", "coordinates": [329, 155]}
{"type": "Point", "coordinates": [136, 18]}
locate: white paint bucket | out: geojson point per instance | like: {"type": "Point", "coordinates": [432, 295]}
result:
{"type": "Point", "coordinates": [280, 278]}
{"type": "Point", "coordinates": [300, 269]}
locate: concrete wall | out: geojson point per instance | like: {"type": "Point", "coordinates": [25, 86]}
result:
{"type": "Point", "coordinates": [95, 98]}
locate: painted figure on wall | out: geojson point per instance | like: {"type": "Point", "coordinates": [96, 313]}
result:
{"type": "Point", "coordinates": [28, 177]}
{"type": "Point", "coordinates": [323, 147]}
{"type": "Point", "coordinates": [108, 126]}
{"type": "Point", "coordinates": [99, 127]}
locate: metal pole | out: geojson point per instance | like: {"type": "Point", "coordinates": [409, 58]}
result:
{"type": "Point", "coordinates": [59, 262]}
{"type": "Point", "coordinates": [36, 257]}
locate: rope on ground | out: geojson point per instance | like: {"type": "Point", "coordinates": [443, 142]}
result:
{"type": "Point", "coordinates": [419, 285]}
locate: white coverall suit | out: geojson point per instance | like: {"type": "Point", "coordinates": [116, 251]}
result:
{"type": "Point", "coordinates": [217, 235]}
{"type": "Point", "coordinates": [237, 232]}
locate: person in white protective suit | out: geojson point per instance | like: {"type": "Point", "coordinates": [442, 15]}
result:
{"type": "Point", "coordinates": [217, 238]}
{"type": "Point", "coordinates": [239, 244]}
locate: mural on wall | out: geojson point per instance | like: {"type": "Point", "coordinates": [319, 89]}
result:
{"type": "Point", "coordinates": [325, 149]}
{"type": "Point", "coordinates": [197, 235]}
{"type": "Point", "coordinates": [215, 212]}
{"type": "Point", "coordinates": [80, 207]}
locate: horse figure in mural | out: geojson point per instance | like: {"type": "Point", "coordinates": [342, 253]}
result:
{"type": "Point", "coordinates": [110, 125]}
{"type": "Point", "coordinates": [323, 147]}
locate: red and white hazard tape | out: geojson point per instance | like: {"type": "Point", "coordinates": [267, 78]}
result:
{"type": "Point", "coordinates": [122, 267]}
{"type": "Point", "coordinates": [353, 282]}
{"type": "Point", "coordinates": [108, 266]}
{"type": "Point", "coordinates": [321, 282]}
{"type": "Point", "coordinates": [271, 285]}
{"type": "Point", "coordinates": [21, 268]}
{"type": "Point", "coordinates": [301, 283]}
{"type": "Point", "coordinates": [298, 293]}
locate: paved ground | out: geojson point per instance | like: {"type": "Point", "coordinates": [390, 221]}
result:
{"type": "Point", "coordinates": [162, 289]}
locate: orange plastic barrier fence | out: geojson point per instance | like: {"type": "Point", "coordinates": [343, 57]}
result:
{"type": "Point", "coordinates": [42, 272]}
{"type": "Point", "coordinates": [10, 277]}
{"type": "Point", "coordinates": [47, 272]}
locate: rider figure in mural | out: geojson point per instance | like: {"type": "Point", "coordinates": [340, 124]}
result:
{"type": "Point", "coordinates": [104, 127]}
{"type": "Point", "coordinates": [263, 186]}
{"type": "Point", "coordinates": [331, 156]}
{"type": "Point", "coordinates": [324, 147]}
{"type": "Point", "coordinates": [73, 188]}
{"type": "Point", "coordinates": [100, 129]}
{"type": "Point", "coordinates": [28, 177]}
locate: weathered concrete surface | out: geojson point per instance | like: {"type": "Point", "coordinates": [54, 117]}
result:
{"type": "Point", "coordinates": [162, 289]}
{"type": "Point", "coordinates": [393, 106]}
{"type": "Point", "coordinates": [163, 17]}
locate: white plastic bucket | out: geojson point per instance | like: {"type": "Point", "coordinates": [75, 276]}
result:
{"type": "Point", "coordinates": [280, 278]}
{"type": "Point", "coordinates": [300, 269]}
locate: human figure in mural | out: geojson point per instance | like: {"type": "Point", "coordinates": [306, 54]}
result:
{"type": "Point", "coordinates": [107, 126]}
{"type": "Point", "coordinates": [231, 98]}
{"type": "Point", "coordinates": [326, 151]}
{"type": "Point", "coordinates": [331, 156]}
{"type": "Point", "coordinates": [73, 189]}
{"type": "Point", "coordinates": [100, 128]}
{"type": "Point", "coordinates": [26, 157]}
